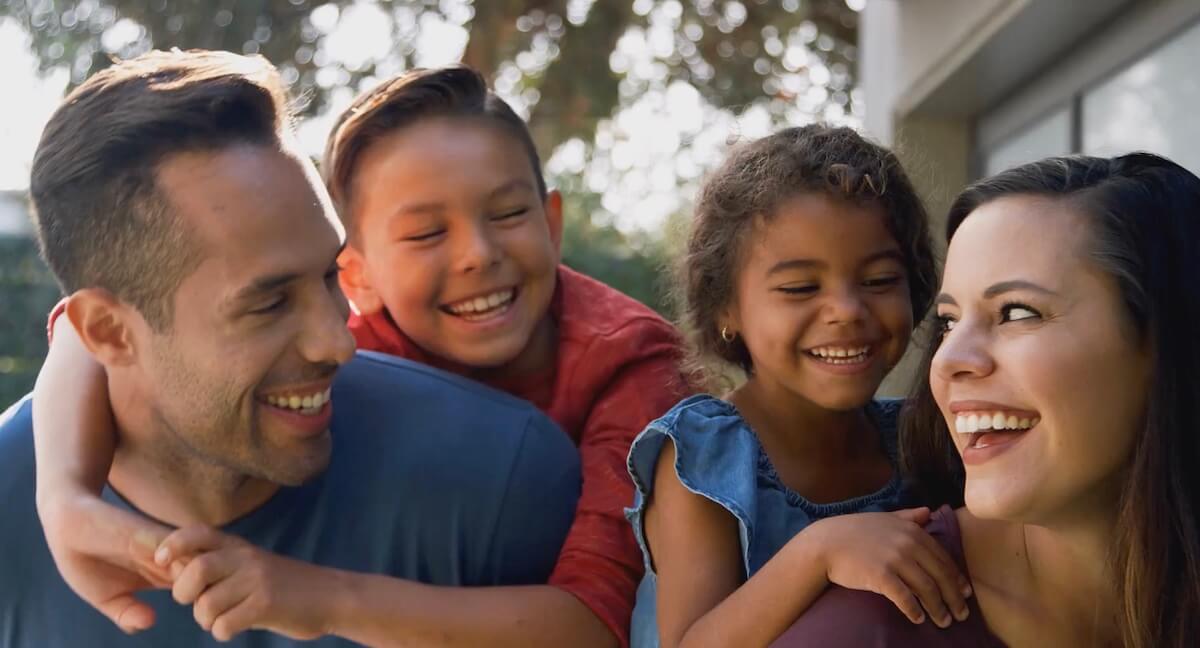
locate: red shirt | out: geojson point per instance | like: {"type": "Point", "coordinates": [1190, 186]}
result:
{"type": "Point", "coordinates": [616, 369]}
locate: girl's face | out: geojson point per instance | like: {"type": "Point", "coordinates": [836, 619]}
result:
{"type": "Point", "coordinates": [1036, 339]}
{"type": "Point", "coordinates": [454, 240]}
{"type": "Point", "coordinates": [822, 301]}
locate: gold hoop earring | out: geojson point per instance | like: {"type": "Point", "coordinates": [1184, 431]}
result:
{"type": "Point", "coordinates": [727, 336]}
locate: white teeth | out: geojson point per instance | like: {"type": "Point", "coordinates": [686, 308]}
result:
{"type": "Point", "coordinates": [308, 403]}
{"type": "Point", "coordinates": [840, 355]}
{"type": "Point", "coordinates": [971, 422]}
{"type": "Point", "coordinates": [482, 304]}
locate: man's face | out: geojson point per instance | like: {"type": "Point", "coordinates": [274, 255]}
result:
{"type": "Point", "coordinates": [240, 379]}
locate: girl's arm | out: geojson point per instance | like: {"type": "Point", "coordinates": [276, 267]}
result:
{"type": "Point", "coordinates": [702, 602]}
{"type": "Point", "coordinates": [104, 553]}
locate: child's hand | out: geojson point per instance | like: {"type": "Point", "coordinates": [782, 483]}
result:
{"type": "Point", "coordinates": [234, 586]}
{"type": "Point", "coordinates": [890, 554]}
{"type": "Point", "coordinates": [104, 554]}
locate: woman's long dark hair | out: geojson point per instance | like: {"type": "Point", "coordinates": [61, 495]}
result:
{"type": "Point", "coordinates": [1143, 212]}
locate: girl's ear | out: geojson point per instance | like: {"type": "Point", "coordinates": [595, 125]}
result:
{"type": "Point", "coordinates": [554, 217]}
{"type": "Point", "coordinates": [356, 283]}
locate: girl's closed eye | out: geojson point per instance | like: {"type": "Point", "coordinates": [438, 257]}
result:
{"type": "Point", "coordinates": [882, 282]}
{"type": "Point", "coordinates": [798, 289]}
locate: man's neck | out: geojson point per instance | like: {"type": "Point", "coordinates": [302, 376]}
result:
{"type": "Point", "coordinates": [161, 478]}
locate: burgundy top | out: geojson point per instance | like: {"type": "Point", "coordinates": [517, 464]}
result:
{"type": "Point", "coordinates": [845, 617]}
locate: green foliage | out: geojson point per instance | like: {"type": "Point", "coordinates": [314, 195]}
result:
{"type": "Point", "coordinates": [734, 52]}
{"type": "Point", "coordinates": [27, 291]}
{"type": "Point", "coordinates": [636, 264]}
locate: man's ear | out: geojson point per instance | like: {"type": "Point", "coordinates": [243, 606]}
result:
{"type": "Point", "coordinates": [554, 217]}
{"type": "Point", "coordinates": [104, 325]}
{"type": "Point", "coordinates": [356, 282]}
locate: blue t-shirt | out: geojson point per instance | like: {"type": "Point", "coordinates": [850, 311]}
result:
{"type": "Point", "coordinates": [432, 477]}
{"type": "Point", "coordinates": [718, 456]}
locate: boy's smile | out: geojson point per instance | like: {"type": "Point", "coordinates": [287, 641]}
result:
{"type": "Point", "coordinates": [455, 241]}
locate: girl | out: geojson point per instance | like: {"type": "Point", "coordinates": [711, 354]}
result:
{"type": "Point", "coordinates": [807, 265]}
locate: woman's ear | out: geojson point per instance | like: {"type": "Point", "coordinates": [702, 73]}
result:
{"type": "Point", "coordinates": [355, 282]}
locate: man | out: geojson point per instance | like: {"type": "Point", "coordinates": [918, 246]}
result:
{"type": "Point", "coordinates": [198, 253]}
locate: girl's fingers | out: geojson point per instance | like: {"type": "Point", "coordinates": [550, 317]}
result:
{"type": "Point", "coordinates": [896, 591]}
{"type": "Point", "coordinates": [938, 564]}
{"type": "Point", "coordinates": [918, 516]}
{"type": "Point", "coordinates": [926, 591]}
{"type": "Point", "coordinates": [201, 573]}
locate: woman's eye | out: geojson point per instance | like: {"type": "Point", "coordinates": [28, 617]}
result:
{"type": "Point", "coordinates": [945, 324]}
{"type": "Point", "coordinates": [1017, 312]}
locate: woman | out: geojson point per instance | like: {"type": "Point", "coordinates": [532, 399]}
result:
{"type": "Point", "coordinates": [1063, 373]}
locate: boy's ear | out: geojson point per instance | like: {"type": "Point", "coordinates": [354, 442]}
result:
{"type": "Point", "coordinates": [554, 217]}
{"type": "Point", "coordinates": [355, 282]}
{"type": "Point", "coordinates": [104, 325]}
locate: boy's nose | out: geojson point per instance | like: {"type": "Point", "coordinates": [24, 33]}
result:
{"type": "Point", "coordinates": [476, 250]}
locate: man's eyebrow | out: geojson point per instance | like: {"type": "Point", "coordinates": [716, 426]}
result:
{"type": "Point", "coordinates": [265, 284]}
{"type": "Point", "coordinates": [1016, 284]}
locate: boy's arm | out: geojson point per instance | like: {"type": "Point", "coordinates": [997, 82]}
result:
{"type": "Point", "coordinates": [600, 563]}
{"type": "Point", "coordinates": [102, 552]}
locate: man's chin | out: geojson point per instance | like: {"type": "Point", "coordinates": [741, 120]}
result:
{"type": "Point", "coordinates": [295, 463]}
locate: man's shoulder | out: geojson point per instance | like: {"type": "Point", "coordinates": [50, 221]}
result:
{"type": "Point", "coordinates": [427, 413]}
{"type": "Point", "coordinates": [16, 447]}
{"type": "Point", "coordinates": [384, 387]}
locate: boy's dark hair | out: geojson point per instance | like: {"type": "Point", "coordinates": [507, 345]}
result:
{"type": "Point", "coordinates": [453, 91]}
{"type": "Point", "coordinates": [101, 219]}
{"type": "Point", "coordinates": [1143, 221]}
{"type": "Point", "coordinates": [754, 181]}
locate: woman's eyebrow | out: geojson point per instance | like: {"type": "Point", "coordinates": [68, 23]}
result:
{"type": "Point", "coordinates": [1016, 284]}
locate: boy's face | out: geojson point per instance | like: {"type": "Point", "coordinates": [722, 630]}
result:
{"type": "Point", "coordinates": [454, 240]}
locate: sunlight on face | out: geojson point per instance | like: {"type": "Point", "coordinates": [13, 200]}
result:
{"type": "Point", "coordinates": [1037, 345]}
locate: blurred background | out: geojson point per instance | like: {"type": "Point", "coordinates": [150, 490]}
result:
{"type": "Point", "coordinates": [632, 101]}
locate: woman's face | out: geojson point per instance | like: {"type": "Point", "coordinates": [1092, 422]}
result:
{"type": "Point", "coordinates": [1039, 374]}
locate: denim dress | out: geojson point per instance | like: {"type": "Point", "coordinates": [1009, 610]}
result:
{"type": "Point", "coordinates": [718, 456]}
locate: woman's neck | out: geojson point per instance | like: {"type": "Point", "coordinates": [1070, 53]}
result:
{"type": "Point", "coordinates": [1036, 583]}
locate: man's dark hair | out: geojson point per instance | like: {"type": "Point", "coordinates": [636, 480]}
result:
{"type": "Point", "coordinates": [101, 219]}
{"type": "Point", "coordinates": [453, 91]}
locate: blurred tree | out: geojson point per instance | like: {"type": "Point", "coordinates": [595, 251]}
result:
{"type": "Point", "coordinates": [27, 292]}
{"type": "Point", "coordinates": [555, 52]}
